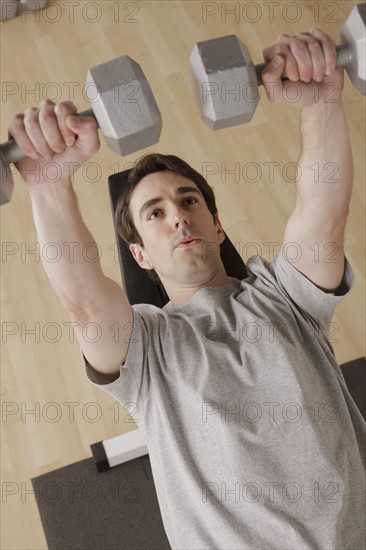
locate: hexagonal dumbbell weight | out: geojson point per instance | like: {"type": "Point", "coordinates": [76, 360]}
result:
{"type": "Point", "coordinates": [123, 106]}
{"type": "Point", "coordinates": [8, 9]}
{"type": "Point", "coordinates": [11, 8]}
{"type": "Point", "coordinates": [33, 5]}
{"type": "Point", "coordinates": [225, 81]}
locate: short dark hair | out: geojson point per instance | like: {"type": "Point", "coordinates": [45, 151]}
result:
{"type": "Point", "coordinates": [149, 164]}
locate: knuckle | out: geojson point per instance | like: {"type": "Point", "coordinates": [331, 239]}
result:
{"type": "Point", "coordinates": [46, 102]}
{"type": "Point", "coordinates": [31, 123]}
{"type": "Point", "coordinates": [45, 116]}
{"type": "Point", "coordinates": [327, 41]}
{"type": "Point", "coordinates": [30, 112]}
{"type": "Point", "coordinates": [17, 121]}
{"type": "Point", "coordinates": [64, 107]}
{"type": "Point", "coordinates": [281, 49]}
{"type": "Point", "coordinates": [313, 45]}
{"type": "Point", "coordinates": [297, 43]}
{"type": "Point", "coordinates": [66, 103]}
{"type": "Point", "coordinates": [46, 110]}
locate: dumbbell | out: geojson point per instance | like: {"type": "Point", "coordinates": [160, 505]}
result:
{"type": "Point", "coordinates": [33, 5]}
{"type": "Point", "coordinates": [123, 106]}
{"type": "Point", "coordinates": [225, 81]}
{"type": "Point", "coordinates": [10, 8]}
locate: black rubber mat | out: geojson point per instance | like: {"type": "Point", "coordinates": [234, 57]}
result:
{"type": "Point", "coordinates": [118, 509]}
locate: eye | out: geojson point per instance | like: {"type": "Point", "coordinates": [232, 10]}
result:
{"type": "Point", "coordinates": [151, 213]}
{"type": "Point", "coordinates": [194, 199]}
{"type": "Point", "coordinates": [191, 200]}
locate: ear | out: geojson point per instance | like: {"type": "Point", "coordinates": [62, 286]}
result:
{"type": "Point", "coordinates": [140, 256]}
{"type": "Point", "coordinates": [219, 229]}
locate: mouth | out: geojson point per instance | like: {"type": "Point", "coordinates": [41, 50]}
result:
{"type": "Point", "coordinates": [189, 244]}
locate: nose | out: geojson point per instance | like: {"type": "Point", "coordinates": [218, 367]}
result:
{"type": "Point", "coordinates": [179, 216]}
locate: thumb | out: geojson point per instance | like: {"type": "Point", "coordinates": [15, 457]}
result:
{"type": "Point", "coordinates": [82, 125]}
{"type": "Point", "coordinates": [271, 78]}
{"type": "Point", "coordinates": [86, 129]}
{"type": "Point", "coordinates": [277, 63]}
{"type": "Point", "coordinates": [273, 70]}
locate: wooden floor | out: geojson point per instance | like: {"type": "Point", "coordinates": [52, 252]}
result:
{"type": "Point", "coordinates": [50, 413]}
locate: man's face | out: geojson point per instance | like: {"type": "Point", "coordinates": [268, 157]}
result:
{"type": "Point", "coordinates": [166, 207]}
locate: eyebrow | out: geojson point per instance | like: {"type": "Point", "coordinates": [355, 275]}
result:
{"type": "Point", "coordinates": [156, 200]}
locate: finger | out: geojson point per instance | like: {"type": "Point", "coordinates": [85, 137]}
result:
{"type": "Point", "coordinates": [272, 78]}
{"type": "Point", "coordinates": [299, 50]}
{"type": "Point", "coordinates": [62, 111]}
{"type": "Point", "coordinates": [291, 68]}
{"type": "Point", "coordinates": [86, 129]}
{"type": "Point", "coordinates": [35, 134]}
{"type": "Point", "coordinates": [329, 50]}
{"type": "Point", "coordinates": [50, 128]}
{"type": "Point", "coordinates": [18, 133]}
{"type": "Point", "coordinates": [317, 55]}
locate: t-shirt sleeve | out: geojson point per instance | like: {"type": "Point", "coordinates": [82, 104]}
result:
{"type": "Point", "coordinates": [132, 385]}
{"type": "Point", "coordinates": [315, 302]}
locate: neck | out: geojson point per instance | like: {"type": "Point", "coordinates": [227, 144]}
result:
{"type": "Point", "coordinates": [180, 293]}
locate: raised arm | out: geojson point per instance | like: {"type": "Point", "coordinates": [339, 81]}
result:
{"type": "Point", "coordinates": [324, 181]}
{"type": "Point", "coordinates": [97, 306]}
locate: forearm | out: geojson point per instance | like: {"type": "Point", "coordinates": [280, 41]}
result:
{"type": "Point", "coordinates": [326, 168]}
{"type": "Point", "coordinates": [72, 265]}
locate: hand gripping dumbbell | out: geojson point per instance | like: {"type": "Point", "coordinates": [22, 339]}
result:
{"type": "Point", "coordinates": [123, 106]}
{"type": "Point", "coordinates": [225, 81]}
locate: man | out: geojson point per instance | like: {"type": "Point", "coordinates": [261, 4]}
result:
{"type": "Point", "coordinates": [253, 437]}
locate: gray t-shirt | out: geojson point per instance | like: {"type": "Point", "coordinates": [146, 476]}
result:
{"type": "Point", "coordinates": [254, 439]}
